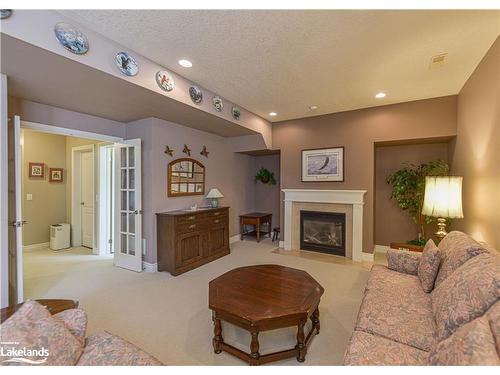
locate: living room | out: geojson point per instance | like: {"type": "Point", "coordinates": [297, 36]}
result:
{"type": "Point", "coordinates": [284, 211]}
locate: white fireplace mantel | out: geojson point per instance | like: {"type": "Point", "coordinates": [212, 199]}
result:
{"type": "Point", "coordinates": [356, 198]}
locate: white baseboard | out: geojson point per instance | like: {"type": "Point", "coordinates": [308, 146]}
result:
{"type": "Point", "coordinates": [149, 267]}
{"type": "Point", "coordinates": [281, 244]}
{"type": "Point", "coordinates": [366, 257]}
{"type": "Point", "coordinates": [380, 249]}
{"type": "Point", "coordinates": [36, 246]}
{"type": "Point", "coordinates": [234, 239]}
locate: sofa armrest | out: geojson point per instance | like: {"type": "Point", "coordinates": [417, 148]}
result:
{"type": "Point", "coordinates": [403, 261]}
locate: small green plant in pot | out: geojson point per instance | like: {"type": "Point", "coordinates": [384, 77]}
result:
{"type": "Point", "coordinates": [265, 176]}
{"type": "Point", "coordinates": [408, 187]}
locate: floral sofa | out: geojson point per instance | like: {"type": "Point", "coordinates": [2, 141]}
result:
{"type": "Point", "coordinates": [439, 307]}
{"type": "Point", "coordinates": [33, 336]}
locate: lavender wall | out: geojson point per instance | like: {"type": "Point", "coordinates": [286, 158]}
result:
{"type": "Point", "coordinates": [267, 197]}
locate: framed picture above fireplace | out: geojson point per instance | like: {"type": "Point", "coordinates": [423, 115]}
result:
{"type": "Point", "coordinates": [323, 164]}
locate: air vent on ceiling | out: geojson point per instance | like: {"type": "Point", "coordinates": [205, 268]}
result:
{"type": "Point", "coordinates": [438, 60]}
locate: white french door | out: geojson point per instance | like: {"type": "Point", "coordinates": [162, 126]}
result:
{"type": "Point", "coordinates": [128, 205]}
{"type": "Point", "coordinates": [15, 234]}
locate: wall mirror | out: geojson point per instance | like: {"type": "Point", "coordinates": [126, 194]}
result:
{"type": "Point", "coordinates": [185, 177]}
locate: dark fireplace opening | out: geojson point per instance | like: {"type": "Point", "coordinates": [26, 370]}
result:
{"type": "Point", "coordinates": [323, 232]}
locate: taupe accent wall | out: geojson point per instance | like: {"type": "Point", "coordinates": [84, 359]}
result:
{"type": "Point", "coordinates": [476, 152]}
{"type": "Point", "coordinates": [358, 131]}
{"type": "Point", "coordinates": [392, 224]}
{"type": "Point", "coordinates": [48, 205]}
{"type": "Point", "coordinates": [267, 197]}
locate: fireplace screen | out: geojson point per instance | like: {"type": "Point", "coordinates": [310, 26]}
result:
{"type": "Point", "coordinates": [322, 231]}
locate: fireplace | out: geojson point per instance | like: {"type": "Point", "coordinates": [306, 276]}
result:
{"type": "Point", "coordinates": [323, 232]}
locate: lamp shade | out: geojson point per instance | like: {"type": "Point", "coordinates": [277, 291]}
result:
{"type": "Point", "coordinates": [214, 193]}
{"type": "Point", "coordinates": [443, 197]}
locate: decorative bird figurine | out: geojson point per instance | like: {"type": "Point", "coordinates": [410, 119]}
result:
{"type": "Point", "coordinates": [204, 152]}
{"type": "Point", "coordinates": [187, 150]}
{"type": "Point", "coordinates": [169, 151]}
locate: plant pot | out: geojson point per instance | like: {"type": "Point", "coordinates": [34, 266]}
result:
{"type": "Point", "coordinates": [264, 180]}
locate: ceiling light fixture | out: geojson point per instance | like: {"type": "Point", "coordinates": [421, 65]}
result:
{"type": "Point", "coordinates": [380, 95]}
{"type": "Point", "coordinates": [313, 107]}
{"type": "Point", "coordinates": [185, 63]}
{"type": "Point", "coordinates": [273, 114]}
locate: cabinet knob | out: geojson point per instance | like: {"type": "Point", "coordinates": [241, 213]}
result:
{"type": "Point", "coordinates": [216, 221]}
{"type": "Point", "coordinates": [192, 226]}
{"type": "Point", "coordinates": [191, 217]}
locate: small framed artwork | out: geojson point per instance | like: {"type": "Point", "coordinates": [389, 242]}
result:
{"type": "Point", "coordinates": [36, 170]}
{"type": "Point", "coordinates": [56, 174]}
{"type": "Point", "coordinates": [324, 164]}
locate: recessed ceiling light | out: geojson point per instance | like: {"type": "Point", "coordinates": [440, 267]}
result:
{"type": "Point", "coordinates": [313, 107]}
{"type": "Point", "coordinates": [272, 114]}
{"type": "Point", "coordinates": [185, 63]}
{"type": "Point", "coordinates": [380, 95]}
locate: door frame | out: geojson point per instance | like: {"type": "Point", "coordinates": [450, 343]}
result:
{"type": "Point", "coordinates": [76, 217]}
{"type": "Point", "coordinates": [4, 195]}
{"type": "Point", "coordinates": [106, 198]}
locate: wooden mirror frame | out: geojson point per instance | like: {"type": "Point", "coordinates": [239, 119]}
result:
{"type": "Point", "coordinates": [171, 193]}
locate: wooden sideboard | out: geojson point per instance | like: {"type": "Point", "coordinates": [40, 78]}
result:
{"type": "Point", "coordinates": [189, 239]}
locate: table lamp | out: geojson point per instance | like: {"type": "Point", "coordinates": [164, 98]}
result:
{"type": "Point", "coordinates": [214, 194]}
{"type": "Point", "coordinates": [443, 199]}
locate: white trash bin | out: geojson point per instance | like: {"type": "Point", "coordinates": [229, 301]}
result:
{"type": "Point", "coordinates": [59, 236]}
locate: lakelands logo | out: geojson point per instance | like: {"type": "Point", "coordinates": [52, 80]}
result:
{"type": "Point", "coordinates": [22, 355]}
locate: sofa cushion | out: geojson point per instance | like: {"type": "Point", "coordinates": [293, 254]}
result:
{"type": "Point", "coordinates": [471, 344]}
{"type": "Point", "coordinates": [456, 249]}
{"type": "Point", "coordinates": [76, 321]}
{"type": "Point", "coordinates": [466, 294]}
{"type": "Point", "coordinates": [429, 266]}
{"type": "Point", "coordinates": [105, 349]}
{"type": "Point", "coordinates": [403, 261]}
{"type": "Point", "coordinates": [394, 314]}
{"type": "Point", "coordinates": [383, 279]}
{"type": "Point", "coordinates": [494, 319]}
{"type": "Point", "coordinates": [365, 349]}
{"type": "Point", "coordinates": [34, 329]}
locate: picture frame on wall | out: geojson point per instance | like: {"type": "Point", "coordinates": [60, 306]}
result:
{"type": "Point", "coordinates": [56, 174]}
{"type": "Point", "coordinates": [323, 165]}
{"type": "Point", "coordinates": [36, 170]}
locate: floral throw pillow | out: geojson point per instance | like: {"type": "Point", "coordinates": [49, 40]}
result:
{"type": "Point", "coordinates": [429, 266]}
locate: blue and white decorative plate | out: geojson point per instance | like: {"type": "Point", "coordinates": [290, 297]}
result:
{"type": "Point", "coordinates": [195, 94]}
{"type": "Point", "coordinates": [236, 112]}
{"type": "Point", "coordinates": [126, 64]}
{"type": "Point", "coordinates": [5, 13]}
{"type": "Point", "coordinates": [164, 80]}
{"type": "Point", "coordinates": [218, 104]}
{"type": "Point", "coordinates": [71, 38]}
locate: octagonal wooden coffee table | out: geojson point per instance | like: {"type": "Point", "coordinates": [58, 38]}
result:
{"type": "Point", "coordinates": [262, 298]}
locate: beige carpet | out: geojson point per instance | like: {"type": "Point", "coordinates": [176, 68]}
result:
{"type": "Point", "coordinates": [168, 316]}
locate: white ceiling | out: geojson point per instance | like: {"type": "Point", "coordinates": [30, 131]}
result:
{"type": "Point", "coordinates": [284, 61]}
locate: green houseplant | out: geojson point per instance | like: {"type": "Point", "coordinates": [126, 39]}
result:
{"type": "Point", "coordinates": [408, 187]}
{"type": "Point", "coordinates": [265, 176]}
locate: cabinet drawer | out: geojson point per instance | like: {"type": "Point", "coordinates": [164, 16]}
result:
{"type": "Point", "coordinates": [191, 226]}
{"type": "Point", "coordinates": [216, 214]}
{"type": "Point", "coordinates": [191, 218]}
{"type": "Point", "coordinates": [216, 221]}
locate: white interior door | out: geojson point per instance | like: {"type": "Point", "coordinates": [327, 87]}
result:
{"type": "Point", "coordinates": [128, 205]}
{"type": "Point", "coordinates": [15, 236]}
{"type": "Point", "coordinates": [87, 198]}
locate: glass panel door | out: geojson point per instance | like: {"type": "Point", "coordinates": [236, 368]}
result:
{"type": "Point", "coordinates": [128, 208]}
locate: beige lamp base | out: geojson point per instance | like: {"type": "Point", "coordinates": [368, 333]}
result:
{"type": "Point", "coordinates": [441, 232]}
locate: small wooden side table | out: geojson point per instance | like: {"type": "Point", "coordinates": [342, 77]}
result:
{"type": "Point", "coordinates": [406, 246]}
{"type": "Point", "coordinates": [53, 305]}
{"type": "Point", "coordinates": [256, 219]}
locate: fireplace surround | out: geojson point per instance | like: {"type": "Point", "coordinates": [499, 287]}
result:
{"type": "Point", "coordinates": [352, 202]}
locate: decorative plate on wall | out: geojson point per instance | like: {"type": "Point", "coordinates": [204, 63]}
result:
{"type": "Point", "coordinates": [5, 13]}
{"type": "Point", "coordinates": [236, 112]}
{"type": "Point", "coordinates": [126, 64]}
{"type": "Point", "coordinates": [195, 94]}
{"type": "Point", "coordinates": [71, 38]}
{"type": "Point", "coordinates": [165, 80]}
{"type": "Point", "coordinates": [218, 104]}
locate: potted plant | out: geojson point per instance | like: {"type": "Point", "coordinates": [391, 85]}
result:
{"type": "Point", "coordinates": [265, 176]}
{"type": "Point", "coordinates": [408, 187]}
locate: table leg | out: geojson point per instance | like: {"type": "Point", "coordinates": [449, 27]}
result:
{"type": "Point", "coordinates": [217, 340]}
{"type": "Point", "coordinates": [270, 226]}
{"type": "Point", "coordinates": [315, 320]}
{"type": "Point", "coordinates": [258, 231]}
{"type": "Point", "coordinates": [301, 346]}
{"type": "Point", "coordinates": [254, 349]}
{"type": "Point", "coordinates": [242, 226]}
